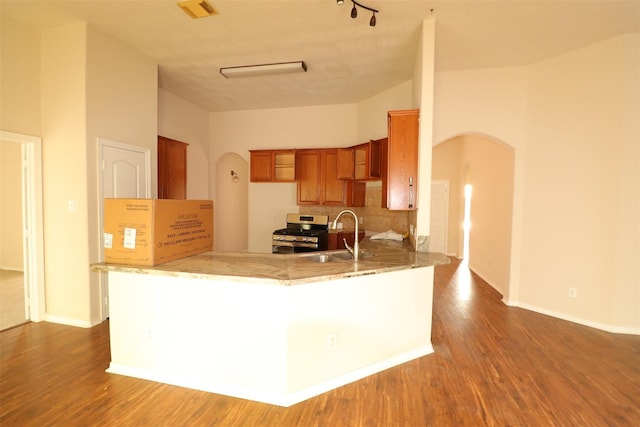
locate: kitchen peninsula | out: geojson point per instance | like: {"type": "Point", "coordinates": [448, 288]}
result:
{"type": "Point", "coordinates": [272, 328]}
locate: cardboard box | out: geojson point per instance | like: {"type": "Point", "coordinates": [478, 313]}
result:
{"type": "Point", "coordinates": [154, 231]}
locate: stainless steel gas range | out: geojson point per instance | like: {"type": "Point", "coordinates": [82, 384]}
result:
{"type": "Point", "coordinates": [304, 233]}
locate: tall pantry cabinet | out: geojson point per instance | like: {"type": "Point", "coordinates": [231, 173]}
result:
{"type": "Point", "coordinates": [400, 161]}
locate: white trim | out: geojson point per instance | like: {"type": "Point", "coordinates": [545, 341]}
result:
{"type": "Point", "coordinates": [32, 218]}
{"type": "Point", "coordinates": [558, 315]}
{"type": "Point", "coordinates": [68, 321]}
{"type": "Point", "coordinates": [585, 322]}
{"type": "Point", "coordinates": [264, 396]}
{"type": "Point", "coordinates": [102, 143]}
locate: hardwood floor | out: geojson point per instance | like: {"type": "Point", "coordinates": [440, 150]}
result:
{"type": "Point", "coordinates": [493, 365]}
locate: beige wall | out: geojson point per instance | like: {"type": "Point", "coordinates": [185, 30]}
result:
{"type": "Point", "coordinates": [64, 132]}
{"type": "Point", "coordinates": [121, 105]}
{"type": "Point", "coordinates": [303, 127]}
{"type": "Point", "coordinates": [581, 215]}
{"type": "Point", "coordinates": [572, 121]}
{"type": "Point", "coordinates": [183, 121]}
{"type": "Point", "coordinates": [372, 112]}
{"type": "Point", "coordinates": [11, 206]}
{"type": "Point", "coordinates": [19, 78]}
{"type": "Point", "coordinates": [71, 85]}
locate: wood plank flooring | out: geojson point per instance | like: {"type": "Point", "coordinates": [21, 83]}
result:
{"type": "Point", "coordinates": [493, 366]}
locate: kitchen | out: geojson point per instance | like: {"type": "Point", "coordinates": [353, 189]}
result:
{"type": "Point", "coordinates": [515, 104]}
{"type": "Point", "coordinates": [385, 291]}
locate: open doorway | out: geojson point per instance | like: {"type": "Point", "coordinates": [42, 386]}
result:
{"type": "Point", "coordinates": [21, 231]}
{"type": "Point", "coordinates": [12, 285]}
{"type": "Point", "coordinates": [479, 169]}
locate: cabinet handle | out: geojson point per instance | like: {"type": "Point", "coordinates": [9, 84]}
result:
{"type": "Point", "coordinates": [410, 192]}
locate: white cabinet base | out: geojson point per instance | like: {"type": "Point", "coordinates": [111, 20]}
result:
{"type": "Point", "coordinates": [273, 344]}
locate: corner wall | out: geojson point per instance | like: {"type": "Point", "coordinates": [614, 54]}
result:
{"type": "Point", "coordinates": [581, 211]}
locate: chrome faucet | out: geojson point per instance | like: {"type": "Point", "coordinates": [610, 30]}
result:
{"type": "Point", "coordinates": [355, 250]}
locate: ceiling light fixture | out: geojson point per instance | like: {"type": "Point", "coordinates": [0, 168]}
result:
{"type": "Point", "coordinates": [354, 11]}
{"type": "Point", "coordinates": [197, 8]}
{"type": "Point", "coordinates": [264, 69]}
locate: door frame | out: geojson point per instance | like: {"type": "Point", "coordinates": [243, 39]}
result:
{"type": "Point", "coordinates": [32, 223]}
{"type": "Point", "coordinates": [102, 143]}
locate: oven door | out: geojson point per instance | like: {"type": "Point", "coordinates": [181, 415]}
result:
{"type": "Point", "coordinates": [292, 248]}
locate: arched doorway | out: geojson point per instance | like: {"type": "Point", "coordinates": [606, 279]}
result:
{"type": "Point", "coordinates": [231, 207]}
{"type": "Point", "coordinates": [487, 165]}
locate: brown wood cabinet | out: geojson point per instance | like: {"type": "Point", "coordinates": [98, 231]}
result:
{"type": "Point", "coordinates": [335, 240]}
{"type": "Point", "coordinates": [272, 165]}
{"type": "Point", "coordinates": [332, 190]}
{"type": "Point", "coordinates": [308, 177]}
{"type": "Point", "coordinates": [346, 161]}
{"type": "Point", "coordinates": [360, 162]}
{"type": "Point", "coordinates": [318, 182]}
{"type": "Point", "coordinates": [172, 169]}
{"type": "Point", "coordinates": [400, 161]}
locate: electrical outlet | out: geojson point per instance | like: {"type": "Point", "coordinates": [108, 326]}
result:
{"type": "Point", "coordinates": [573, 292]}
{"type": "Point", "coordinates": [332, 341]}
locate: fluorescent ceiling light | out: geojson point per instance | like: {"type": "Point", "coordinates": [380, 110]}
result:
{"type": "Point", "coordinates": [264, 69]}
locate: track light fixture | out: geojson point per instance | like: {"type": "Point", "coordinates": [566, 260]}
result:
{"type": "Point", "coordinates": [354, 11]}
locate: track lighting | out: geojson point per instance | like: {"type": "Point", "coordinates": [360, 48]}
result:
{"type": "Point", "coordinates": [354, 11]}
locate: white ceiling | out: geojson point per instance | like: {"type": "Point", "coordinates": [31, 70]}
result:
{"type": "Point", "coordinates": [348, 60]}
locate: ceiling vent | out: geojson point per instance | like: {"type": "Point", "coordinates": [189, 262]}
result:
{"type": "Point", "coordinates": [197, 8]}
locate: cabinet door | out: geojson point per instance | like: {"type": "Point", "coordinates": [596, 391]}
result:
{"type": "Point", "coordinates": [356, 193]}
{"type": "Point", "coordinates": [261, 163]}
{"type": "Point", "coordinates": [308, 176]}
{"type": "Point", "coordinates": [375, 158]}
{"type": "Point", "coordinates": [401, 175]}
{"type": "Point", "coordinates": [332, 189]}
{"type": "Point", "coordinates": [172, 169]}
{"type": "Point", "coordinates": [361, 161]}
{"type": "Point", "coordinates": [346, 163]}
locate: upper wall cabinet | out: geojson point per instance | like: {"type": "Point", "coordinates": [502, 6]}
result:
{"type": "Point", "coordinates": [272, 165]}
{"type": "Point", "coordinates": [318, 182]}
{"type": "Point", "coordinates": [400, 161]}
{"type": "Point", "coordinates": [360, 162]}
{"type": "Point", "coordinates": [172, 169]}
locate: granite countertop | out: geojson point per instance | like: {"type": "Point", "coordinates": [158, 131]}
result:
{"type": "Point", "coordinates": [290, 269]}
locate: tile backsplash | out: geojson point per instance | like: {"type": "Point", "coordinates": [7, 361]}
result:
{"type": "Point", "coordinates": [374, 218]}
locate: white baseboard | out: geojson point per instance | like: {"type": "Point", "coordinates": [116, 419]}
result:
{"type": "Point", "coordinates": [265, 396]}
{"type": "Point", "coordinates": [67, 321]}
{"type": "Point", "coordinates": [585, 322]}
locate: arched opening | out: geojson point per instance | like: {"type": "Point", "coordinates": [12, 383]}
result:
{"type": "Point", "coordinates": [231, 217]}
{"type": "Point", "coordinates": [485, 166]}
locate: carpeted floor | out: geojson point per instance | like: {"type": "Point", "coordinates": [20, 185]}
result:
{"type": "Point", "coordinates": [11, 299]}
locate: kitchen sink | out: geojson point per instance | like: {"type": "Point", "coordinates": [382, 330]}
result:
{"type": "Point", "coordinates": [337, 257]}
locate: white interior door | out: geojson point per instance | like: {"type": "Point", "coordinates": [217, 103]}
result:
{"type": "Point", "coordinates": [439, 216]}
{"type": "Point", "coordinates": [125, 173]}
